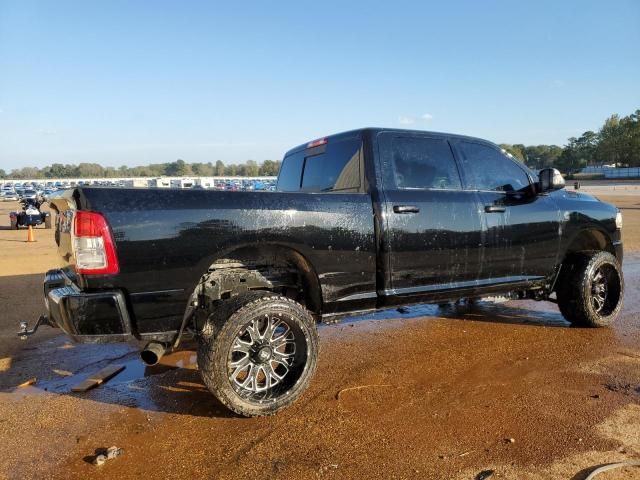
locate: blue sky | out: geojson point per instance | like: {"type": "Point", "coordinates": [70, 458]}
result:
{"type": "Point", "coordinates": [130, 83]}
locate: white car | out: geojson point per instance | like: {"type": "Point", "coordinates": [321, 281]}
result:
{"type": "Point", "coordinates": [9, 196]}
{"type": "Point", "coordinates": [30, 195]}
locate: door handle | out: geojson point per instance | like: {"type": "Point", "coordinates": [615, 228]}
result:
{"type": "Point", "coordinates": [494, 209]}
{"type": "Point", "coordinates": [405, 209]}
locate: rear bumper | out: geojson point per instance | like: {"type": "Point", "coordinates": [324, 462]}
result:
{"type": "Point", "coordinates": [86, 317]}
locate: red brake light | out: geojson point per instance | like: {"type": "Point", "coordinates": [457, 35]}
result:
{"type": "Point", "coordinates": [317, 143]}
{"type": "Point", "coordinates": [89, 224]}
{"type": "Point", "coordinates": [93, 245]}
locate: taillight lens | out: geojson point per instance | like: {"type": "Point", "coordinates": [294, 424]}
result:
{"type": "Point", "coordinates": [93, 245]}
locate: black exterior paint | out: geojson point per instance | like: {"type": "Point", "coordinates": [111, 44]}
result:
{"type": "Point", "coordinates": [363, 253]}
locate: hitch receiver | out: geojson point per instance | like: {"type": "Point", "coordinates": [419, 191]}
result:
{"type": "Point", "coordinates": [24, 327]}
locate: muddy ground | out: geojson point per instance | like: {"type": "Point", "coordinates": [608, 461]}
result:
{"type": "Point", "coordinates": [427, 393]}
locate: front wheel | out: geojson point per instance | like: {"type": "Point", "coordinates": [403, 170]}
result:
{"type": "Point", "coordinates": [590, 289]}
{"type": "Point", "coordinates": [258, 352]}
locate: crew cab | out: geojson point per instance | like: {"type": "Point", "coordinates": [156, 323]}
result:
{"type": "Point", "coordinates": [359, 221]}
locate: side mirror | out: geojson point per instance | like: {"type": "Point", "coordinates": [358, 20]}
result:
{"type": "Point", "coordinates": [550, 179]}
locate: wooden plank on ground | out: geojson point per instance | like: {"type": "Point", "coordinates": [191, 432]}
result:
{"type": "Point", "coordinates": [98, 378]}
{"type": "Point", "coordinates": [28, 383]}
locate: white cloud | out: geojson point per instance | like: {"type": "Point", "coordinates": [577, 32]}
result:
{"type": "Point", "coordinates": [410, 119]}
{"type": "Point", "coordinates": [47, 132]}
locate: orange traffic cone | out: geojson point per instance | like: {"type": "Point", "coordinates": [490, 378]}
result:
{"type": "Point", "coordinates": [30, 237]}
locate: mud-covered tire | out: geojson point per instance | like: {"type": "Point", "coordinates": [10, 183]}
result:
{"type": "Point", "coordinates": [47, 222]}
{"type": "Point", "coordinates": [581, 299]}
{"type": "Point", "coordinates": [233, 321]}
{"type": "Point", "coordinates": [14, 224]}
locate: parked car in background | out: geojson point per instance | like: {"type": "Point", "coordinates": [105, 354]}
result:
{"type": "Point", "coordinates": [9, 196]}
{"type": "Point", "coordinates": [30, 194]}
{"type": "Point", "coordinates": [46, 195]}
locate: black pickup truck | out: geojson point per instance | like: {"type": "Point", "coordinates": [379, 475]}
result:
{"type": "Point", "coordinates": [361, 220]}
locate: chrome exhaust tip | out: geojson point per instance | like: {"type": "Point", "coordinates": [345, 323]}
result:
{"type": "Point", "coordinates": [152, 353]}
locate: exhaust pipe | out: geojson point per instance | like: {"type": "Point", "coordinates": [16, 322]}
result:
{"type": "Point", "coordinates": [153, 352]}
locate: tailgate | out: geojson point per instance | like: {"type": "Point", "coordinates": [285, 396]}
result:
{"type": "Point", "coordinates": [64, 206]}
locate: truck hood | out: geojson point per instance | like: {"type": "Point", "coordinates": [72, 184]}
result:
{"type": "Point", "coordinates": [574, 195]}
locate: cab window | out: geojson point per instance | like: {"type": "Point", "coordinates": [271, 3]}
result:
{"type": "Point", "coordinates": [486, 168]}
{"type": "Point", "coordinates": [290, 173]}
{"type": "Point", "coordinates": [332, 167]}
{"type": "Point", "coordinates": [424, 163]}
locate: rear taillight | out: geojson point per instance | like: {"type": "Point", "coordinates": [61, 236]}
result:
{"type": "Point", "coordinates": [93, 245]}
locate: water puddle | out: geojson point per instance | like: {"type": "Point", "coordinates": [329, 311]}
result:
{"type": "Point", "coordinates": [517, 312]}
{"type": "Point", "coordinates": [134, 370]}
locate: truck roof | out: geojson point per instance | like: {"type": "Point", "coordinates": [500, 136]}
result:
{"type": "Point", "coordinates": [374, 130]}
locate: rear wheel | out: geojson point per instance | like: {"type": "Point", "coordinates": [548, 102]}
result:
{"type": "Point", "coordinates": [590, 289]}
{"type": "Point", "coordinates": [258, 352]}
{"type": "Point", "coordinates": [47, 221]}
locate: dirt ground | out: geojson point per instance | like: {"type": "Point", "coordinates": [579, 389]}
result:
{"type": "Point", "coordinates": [442, 393]}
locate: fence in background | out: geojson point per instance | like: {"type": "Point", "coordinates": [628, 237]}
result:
{"type": "Point", "coordinates": [610, 172]}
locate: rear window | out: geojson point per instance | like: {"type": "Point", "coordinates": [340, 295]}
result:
{"type": "Point", "coordinates": [291, 173]}
{"type": "Point", "coordinates": [334, 167]}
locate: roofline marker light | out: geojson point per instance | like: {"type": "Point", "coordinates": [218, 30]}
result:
{"type": "Point", "coordinates": [317, 143]}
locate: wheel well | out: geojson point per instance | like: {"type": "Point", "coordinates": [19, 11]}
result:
{"type": "Point", "coordinates": [590, 240]}
{"type": "Point", "coordinates": [274, 268]}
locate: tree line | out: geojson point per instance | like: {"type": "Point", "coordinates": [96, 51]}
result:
{"type": "Point", "coordinates": [179, 168]}
{"type": "Point", "coordinates": [617, 142]}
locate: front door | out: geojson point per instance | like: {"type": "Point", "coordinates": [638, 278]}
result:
{"type": "Point", "coordinates": [433, 226]}
{"type": "Point", "coordinates": [521, 236]}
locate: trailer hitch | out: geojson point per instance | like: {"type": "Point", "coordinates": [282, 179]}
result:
{"type": "Point", "coordinates": [24, 327]}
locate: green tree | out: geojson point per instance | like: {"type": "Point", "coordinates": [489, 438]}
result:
{"type": "Point", "coordinates": [219, 168]}
{"type": "Point", "coordinates": [56, 170]}
{"type": "Point", "coordinates": [110, 172]}
{"type": "Point", "coordinates": [3, 174]}
{"type": "Point", "coordinates": [251, 169]}
{"type": "Point", "coordinates": [571, 159]}
{"type": "Point", "coordinates": [609, 148]}
{"type": "Point", "coordinates": [202, 169]}
{"type": "Point", "coordinates": [542, 156]}
{"type": "Point", "coordinates": [90, 170]}
{"type": "Point", "coordinates": [26, 173]}
{"type": "Point", "coordinates": [179, 168]}
{"type": "Point", "coordinates": [231, 170]}
{"type": "Point", "coordinates": [269, 168]}
{"type": "Point", "coordinates": [514, 150]}
{"type": "Point", "coordinates": [628, 141]}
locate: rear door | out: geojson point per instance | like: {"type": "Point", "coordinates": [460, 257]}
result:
{"type": "Point", "coordinates": [521, 228]}
{"type": "Point", "coordinates": [337, 225]}
{"type": "Point", "coordinates": [433, 226]}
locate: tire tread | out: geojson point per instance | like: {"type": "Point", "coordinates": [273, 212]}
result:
{"type": "Point", "coordinates": [237, 308]}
